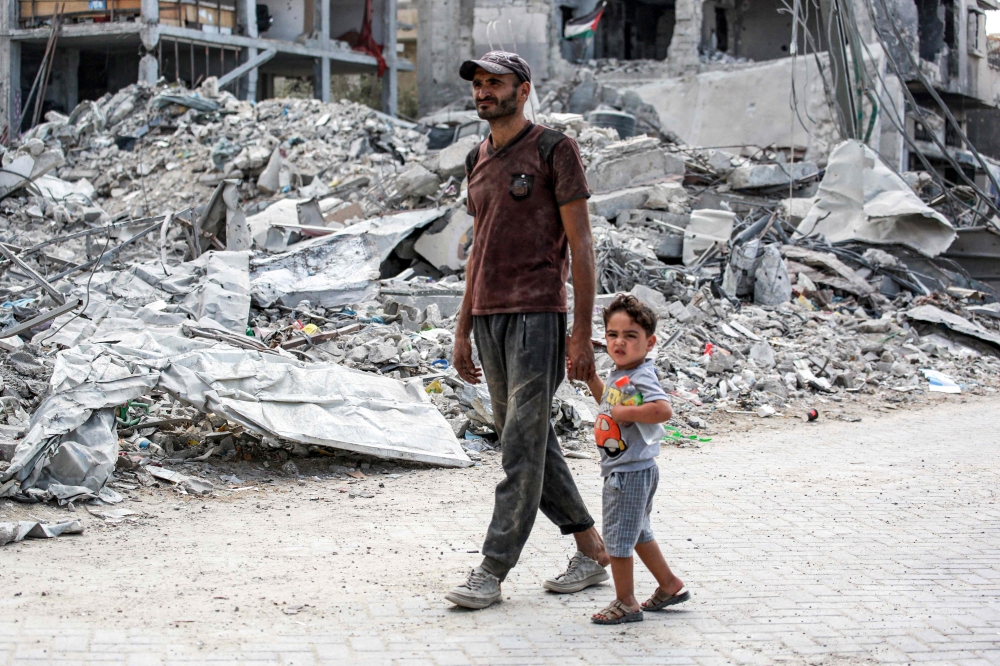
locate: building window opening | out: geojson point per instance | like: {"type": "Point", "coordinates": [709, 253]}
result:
{"type": "Point", "coordinates": [721, 30]}
{"type": "Point", "coordinates": [759, 30]}
{"type": "Point", "coordinates": [635, 30]}
{"type": "Point", "coordinates": [930, 28]}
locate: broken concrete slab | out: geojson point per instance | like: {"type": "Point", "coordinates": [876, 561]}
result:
{"type": "Point", "coordinates": [935, 315]}
{"type": "Point", "coordinates": [758, 176]}
{"type": "Point", "coordinates": [630, 163]}
{"type": "Point", "coordinates": [851, 281]}
{"type": "Point", "coordinates": [652, 298]}
{"type": "Point", "coordinates": [610, 204]}
{"type": "Point", "coordinates": [330, 271]}
{"type": "Point", "coordinates": [417, 181]}
{"type": "Point", "coordinates": [451, 160]}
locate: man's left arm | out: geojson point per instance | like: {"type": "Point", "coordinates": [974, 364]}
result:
{"type": "Point", "coordinates": [580, 351]}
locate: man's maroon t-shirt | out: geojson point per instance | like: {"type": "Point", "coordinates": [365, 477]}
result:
{"type": "Point", "coordinates": [520, 252]}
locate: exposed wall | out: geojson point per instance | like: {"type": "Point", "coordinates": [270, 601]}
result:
{"type": "Point", "coordinates": [748, 106]}
{"type": "Point", "coordinates": [289, 18]}
{"type": "Point", "coordinates": [445, 38]}
{"type": "Point", "coordinates": [521, 26]}
{"type": "Point", "coordinates": [759, 32]}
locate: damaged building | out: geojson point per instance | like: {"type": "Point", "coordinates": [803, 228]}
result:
{"type": "Point", "coordinates": [723, 73]}
{"type": "Point", "coordinates": [55, 54]}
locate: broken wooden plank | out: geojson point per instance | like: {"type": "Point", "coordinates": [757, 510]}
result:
{"type": "Point", "coordinates": [321, 337]}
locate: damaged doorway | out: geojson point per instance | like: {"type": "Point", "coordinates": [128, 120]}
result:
{"type": "Point", "coordinates": [635, 30]}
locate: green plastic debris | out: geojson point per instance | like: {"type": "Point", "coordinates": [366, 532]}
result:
{"type": "Point", "coordinates": [673, 435]}
{"type": "Point", "coordinates": [123, 413]}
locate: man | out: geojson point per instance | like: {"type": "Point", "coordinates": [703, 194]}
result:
{"type": "Point", "coordinates": [528, 195]}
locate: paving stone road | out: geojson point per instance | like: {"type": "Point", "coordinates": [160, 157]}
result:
{"type": "Point", "coordinates": [825, 543]}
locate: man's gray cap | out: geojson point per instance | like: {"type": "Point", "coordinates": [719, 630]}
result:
{"type": "Point", "coordinates": [497, 62]}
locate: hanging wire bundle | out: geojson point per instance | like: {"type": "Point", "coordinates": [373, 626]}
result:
{"type": "Point", "coordinates": [619, 269]}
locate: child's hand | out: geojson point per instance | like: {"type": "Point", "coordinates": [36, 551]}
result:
{"type": "Point", "coordinates": [616, 416]}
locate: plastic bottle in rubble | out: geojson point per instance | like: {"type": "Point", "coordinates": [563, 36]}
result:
{"type": "Point", "coordinates": [632, 397]}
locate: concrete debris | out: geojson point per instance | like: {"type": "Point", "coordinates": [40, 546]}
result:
{"type": "Point", "coordinates": [759, 176]}
{"type": "Point", "coordinates": [189, 279]}
{"type": "Point", "coordinates": [26, 529]}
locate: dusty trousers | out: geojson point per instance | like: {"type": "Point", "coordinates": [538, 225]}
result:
{"type": "Point", "coordinates": [524, 360]}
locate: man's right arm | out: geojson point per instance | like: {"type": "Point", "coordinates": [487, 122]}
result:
{"type": "Point", "coordinates": [462, 356]}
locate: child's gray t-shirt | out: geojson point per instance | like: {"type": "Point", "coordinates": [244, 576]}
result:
{"type": "Point", "coordinates": [635, 446]}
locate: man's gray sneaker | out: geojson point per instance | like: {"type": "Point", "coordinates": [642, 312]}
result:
{"type": "Point", "coordinates": [581, 573]}
{"type": "Point", "coordinates": [479, 590]}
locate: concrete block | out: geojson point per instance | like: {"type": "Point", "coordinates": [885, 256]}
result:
{"type": "Point", "coordinates": [417, 181]}
{"type": "Point", "coordinates": [652, 298]}
{"type": "Point", "coordinates": [627, 164]}
{"type": "Point", "coordinates": [610, 204]}
{"type": "Point", "coordinates": [664, 194]}
{"type": "Point", "coordinates": [7, 448]}
{"type": "Point", "coordinates": [769, 175]}
{"type": "Point", "coordinates": [451, 159]}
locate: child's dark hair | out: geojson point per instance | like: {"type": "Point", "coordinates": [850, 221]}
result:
{"type": "Point", "coordinates": [637, 311]}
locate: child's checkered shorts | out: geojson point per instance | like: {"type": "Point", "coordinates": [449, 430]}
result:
{"type": "Point", "coordinates": [628, 502]}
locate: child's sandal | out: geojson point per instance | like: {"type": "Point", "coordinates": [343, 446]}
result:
{"type": "Point", "coordinates": [659, 600]}
{"type": "Point", "coordinates": [616, 613]}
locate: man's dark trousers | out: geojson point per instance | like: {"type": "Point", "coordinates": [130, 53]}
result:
{"type": "Point", "coordinates": [523, 358]}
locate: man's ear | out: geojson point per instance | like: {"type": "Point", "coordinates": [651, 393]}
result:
{"type": "Point", "coordinates": [525, 90]}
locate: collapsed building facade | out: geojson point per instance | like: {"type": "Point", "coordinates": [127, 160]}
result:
{"type": "Point", "coordinates": [101, 46]}
{"type": "Point", "coordinates": [722, 73]}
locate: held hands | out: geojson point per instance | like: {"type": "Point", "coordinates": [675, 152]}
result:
{"type": "Point", "coordinates": [580, 358]}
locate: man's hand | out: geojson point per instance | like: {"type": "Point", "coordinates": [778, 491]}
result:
{"type": "Point", "coordinates": [579, 358]}
{"type": "Point", "coordinates": [462, 360]}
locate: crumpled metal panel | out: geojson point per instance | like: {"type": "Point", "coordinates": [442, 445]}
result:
{"type": "Point", "coordinates": [861, 199]}
{"type": "Point", "coordinates": [71, 446]}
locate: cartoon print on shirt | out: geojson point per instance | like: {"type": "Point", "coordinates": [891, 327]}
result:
{"type": "Point", "coordinates": [607, 434]}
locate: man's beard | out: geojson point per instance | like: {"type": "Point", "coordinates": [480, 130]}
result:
{"type": "Point", "coordinates": [505, 106]}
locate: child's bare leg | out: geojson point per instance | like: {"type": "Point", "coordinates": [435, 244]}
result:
{"type": "Point", "coordinates": [621, 571]}
{"type": "Point", "coordinates": [649, 553]}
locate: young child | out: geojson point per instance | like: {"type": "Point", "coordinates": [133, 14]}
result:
{"type": "Point", "coordinates": [628, 436]}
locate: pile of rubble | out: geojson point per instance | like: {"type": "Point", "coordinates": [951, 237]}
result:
{"type": "Point", "coordinates": [144, 150]}
{"type": "Point", "coordinates": [208, 280]}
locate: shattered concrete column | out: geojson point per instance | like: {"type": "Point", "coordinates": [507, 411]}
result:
{"type": "Point", "coordinates": [149, 65]}
{"type": "Point", "coordinates": [72, 64]}
{"type": "Point", "coordinates": [321, 68]}
{"type": "Point", "coordinates": [891, 145]}
{"type": "Point", "coordinates": [390, 85]}
{"type": "Point", "coordinates": [10, 74]}
{"type": "Point", "coordinates": [149, 69]}
{"type": "Point", "coordinates": [247, 17]}
{"type": "Point", "coordinates": [682, 56]}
